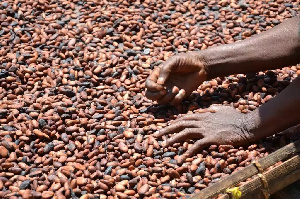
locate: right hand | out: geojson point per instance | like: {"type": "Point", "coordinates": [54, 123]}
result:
{"type": "Point", "coordinates": [220, 125]}
{"type": "Point", "coordinates": [179, 76]}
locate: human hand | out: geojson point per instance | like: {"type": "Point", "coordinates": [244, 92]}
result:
{"type": "Point", "coordinates": [179, 76]}
{"type": "Point", "coordinates": [219, 125]}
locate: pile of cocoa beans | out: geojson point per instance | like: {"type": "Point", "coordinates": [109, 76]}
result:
{"type": "Point", "coordinates": [74, 119]}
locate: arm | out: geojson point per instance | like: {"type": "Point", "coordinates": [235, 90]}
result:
{"type": "Point", "coordinates": [278, 114]}
{"type": "Point", "coordinates": [275, 48]}
{"type": "Point", "coordinates": [227, 126]}
{"type": "Point", "coordinates": [183, 73]}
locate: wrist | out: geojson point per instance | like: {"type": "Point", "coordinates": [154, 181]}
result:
{"type": "Point", "coordinates": [210, 63]}
{"type": "Point", "coordinates": [201, 63]}
{"type": "Point", "coordinates": [258, 125]}
{"type": "Point", "coordinates": [251, 125]}
{"type": "Point", "coordinates": [225, 59]}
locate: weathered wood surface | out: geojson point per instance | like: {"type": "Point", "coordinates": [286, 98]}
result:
{"type": "Point", "coordinates": [281, 154]}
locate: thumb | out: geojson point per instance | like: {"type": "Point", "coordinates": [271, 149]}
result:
{"type": "Point", "coordinates": [165, 71]}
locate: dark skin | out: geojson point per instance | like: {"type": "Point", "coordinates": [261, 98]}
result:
{"type": "Point", "coordinates": [182, 74]}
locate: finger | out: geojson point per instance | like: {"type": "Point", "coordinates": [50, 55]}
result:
{"type": "Point", "coordinates": [165, 70]}
{"type": "Point", "coordinates": [178, 98]}
{"type": "Point", "coordinates": [189, 133]}
{"type": "Point", "coordinates": [151, 82]}
{"type": "Point", "coordinates": [155, 95]}
{"type": "Point", "coordinates": [194, 117]}
{"type": "Point", "coordinates": [198, 146]}
{"type": "Point", "coordinates": [176, 127]}
{"type": "Point", "coordinates": [169, 96]}
{"type": "Point", "coordinates": [218, 107]}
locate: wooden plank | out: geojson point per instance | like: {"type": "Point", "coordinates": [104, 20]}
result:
{"type": "Point", "coordinates": [280, 155]}
{"type": "Point", "coordinates": [275, 178]}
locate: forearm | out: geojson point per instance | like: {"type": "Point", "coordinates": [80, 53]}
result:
{"type": "Point", "coordinates": [278, 114]}
{"type": "Point", "coordinates": [275, 48]}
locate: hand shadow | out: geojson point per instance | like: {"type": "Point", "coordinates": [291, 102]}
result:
{"type": "Point", "coordinates": [243, 87]}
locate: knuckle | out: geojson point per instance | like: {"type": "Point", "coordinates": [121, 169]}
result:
{"type": "Point", "coordinates": [164, 68]}
{"type": "Point", "coordinates": [171, 141]}
{"type": "Point", "coordinates": [161, 132]}
{"type": "Point", "coordinates": [186, 132]}
{"type": "Point", "coordinates": [168, 129]}
{"type": "Point", "coordinates": [176, 138]}
{"type": "Point", "coordinates": [149, 95]}
{"type": "Point", "coordinates": [182, 123]}
{"type": "Point", "coordinates": [190, 130]}
{"type": "Point", "coordinates": [185, 122]}
{"type": "Point", "coordinates": [197, 124]}
{"type": "Point", "coordinates": [174, 58]}
{"type": "Point", "coordinates": [201, 143]}
{"type": "Point", "coordinates": [148, 83]}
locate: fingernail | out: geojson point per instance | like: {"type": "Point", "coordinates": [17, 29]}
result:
{"type": "Point", "coordinates": [160, 80]}
{"type": "Point", "coordinates": [156, 133]}
{"type": "Point", "coordinates": [175, 89]}
{"type": "Point", "coordinates": [181, 92]}
{"type": "Point", "coordinates": [163, 144]}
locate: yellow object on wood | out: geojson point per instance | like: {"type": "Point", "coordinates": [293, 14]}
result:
{"type": "Point", "coordinates": [235, 192]}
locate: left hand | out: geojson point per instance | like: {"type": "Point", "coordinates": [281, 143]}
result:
{"type": "Point", "coordinates": [222, 125]}
{"type": "Point", "coordinates": [178, 77]}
